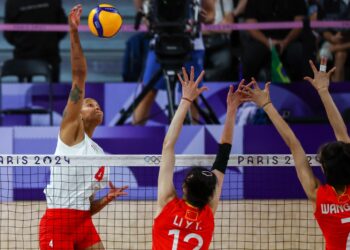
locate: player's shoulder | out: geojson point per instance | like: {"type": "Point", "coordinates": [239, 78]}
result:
{"type": "Point", "coordinates": [208, 212]}
{"type": "Point", "coordinates": [324, 188]}
{"type": "Point", "coordinates": [174, 202]}
{"type": "Point", "coordinates": [72, 132]}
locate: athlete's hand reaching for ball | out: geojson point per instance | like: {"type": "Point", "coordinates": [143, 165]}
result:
{"type": "Point", "coordinates": [74, 17]}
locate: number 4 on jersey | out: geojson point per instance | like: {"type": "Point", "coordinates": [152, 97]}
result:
{"type": "Point", "coordinates": [100, 173]}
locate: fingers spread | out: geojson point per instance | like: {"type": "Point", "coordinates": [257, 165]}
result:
{"type": "Point", "coordinates": [192, 74]}
{"type": "Point", "coordinates": [247, 89]}
{"type": "Point", "coordinates": [200, 77]}
{"type": "Point", "coordinates": [249, 85]}
{"type": "Point", "coordinates": [202, 89]}
{"type": "Point", "coordinates": [313, 67]}
{"type": "Point", "coordinates": [256, 86]}
{"type": "Point", "coordinates": [111, 185]}
{"type": "Point", "coordinates": [241, 83]}
{"type": "Point", "coordinates": [331, 71]}
{"type": "Point", "coordinates": [231, 90]}
{"type": "Point", "coordinates": [180, 79]}
{"type": "Point", "coordinates": [185, 74]}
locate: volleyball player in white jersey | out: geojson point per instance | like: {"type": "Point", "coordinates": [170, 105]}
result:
{"type": "Point", "coordinates": [67, 223]}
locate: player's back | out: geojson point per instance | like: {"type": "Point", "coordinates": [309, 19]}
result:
{"type": "Point", "coordinates": [182, 226]}
{"type": "Point", "coordinates": [333, 216]}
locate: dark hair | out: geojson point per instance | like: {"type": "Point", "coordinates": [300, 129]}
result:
{"type": "Point", "coordinates": [200, 185]}
{"type": "Point", "coordinates": [335, 160]}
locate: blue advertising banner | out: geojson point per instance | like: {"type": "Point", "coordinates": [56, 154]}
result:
{"type": "Point", "coordinates": [296, 102]}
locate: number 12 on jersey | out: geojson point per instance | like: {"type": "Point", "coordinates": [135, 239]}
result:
{"type": "Point", "coordinates": [187, 238]}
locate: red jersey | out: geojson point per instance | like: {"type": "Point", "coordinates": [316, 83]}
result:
{"type": "Point", "coordinates": [181, 226]}
{"type": "Point", "coordinates": [333, 216]}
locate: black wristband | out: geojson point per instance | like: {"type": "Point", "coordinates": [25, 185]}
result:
{"type": "Point", "coordinates": [263, 106]}
{"type": "Point", "coordinates": [222, 157]}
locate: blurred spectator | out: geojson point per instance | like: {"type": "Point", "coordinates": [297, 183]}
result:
{"type": "Point", "coordinates": [337, 41]}
{"type": "Point", "coordinates": [314, 9]}
{"type": "Point", "coordinates": [142, 111]}
{"type": "Point", "coordinates": [311, 37]}
{"type": "Point", "coordinates": [135, 55]}
{"type": "Point", "coordinates": [257, 45]}
{"type": "Point", "coordinates": [137, 46]}
{"type": "Point", "coordinates": [220, 62]}
{"type": "Point", "coordinates": [36, 45]}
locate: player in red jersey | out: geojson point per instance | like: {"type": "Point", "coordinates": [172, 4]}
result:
{"type": "Point", "coordinates": [331, 201]}
{"type": "Point", "coordinates": [188, 222]}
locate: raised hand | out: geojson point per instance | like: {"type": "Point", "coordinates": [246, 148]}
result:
{"type": "Point", "coordinates": [321, 79]}
{"type": "Point", "coordinates": [235, 98]}
{"type": "Point", "coordinates": [74, 16]}
{"type": "Point", "coordinates": [190, 90]}
{"type": "Point", "coordinates": [252, 92]}
{"type": "Point", "coordinates": [115, 192]}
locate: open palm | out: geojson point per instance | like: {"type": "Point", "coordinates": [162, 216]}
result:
{"type": "Point", "coordinates": [190, 88]}
{"type": "Point", "coordinates": [321, 79]}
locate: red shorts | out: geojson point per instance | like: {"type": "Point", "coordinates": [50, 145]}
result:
{"type": "Point", "coordinates": [67, 229]}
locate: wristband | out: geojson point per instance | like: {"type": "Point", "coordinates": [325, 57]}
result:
{"type": "Point", "coordinates": [222, 157]}
{"type": "Point", "coordinates": [186, 99]}
{"type": "Point", "coordinates": [263, 106]}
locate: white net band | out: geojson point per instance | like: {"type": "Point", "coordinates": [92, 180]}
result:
{"type": "Point", "coordinates": [253, 160]}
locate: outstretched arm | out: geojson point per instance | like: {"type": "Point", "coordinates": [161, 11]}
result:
{"type": "Point", "coordinates": [72, 130]}
{"type": "Point", "coordinates": [190, 91]}
{"type": "Point", "coordinates": [234, 99]}
{"type": "Point", "coordinates": [321, 84]}
{"type": "Point", "coordinates": [306, 177]}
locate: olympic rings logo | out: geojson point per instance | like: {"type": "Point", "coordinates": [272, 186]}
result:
{"type": "Point", "coordinates": [152, 159]}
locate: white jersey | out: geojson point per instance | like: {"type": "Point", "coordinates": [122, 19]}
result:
{"type": "Point", "coordinates": [227, 7]}
{"type": "Point", "coordinates": [71, 187]}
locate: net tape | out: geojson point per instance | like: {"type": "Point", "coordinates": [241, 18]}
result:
{"type": "Point", "coordinates": [252, 160]}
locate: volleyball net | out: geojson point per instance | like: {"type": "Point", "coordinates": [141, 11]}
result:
{"type": "Point", "coordinates": [262, 204]}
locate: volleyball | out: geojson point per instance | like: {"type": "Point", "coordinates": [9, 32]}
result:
{"type": "Point", "coordinates": [104, 21]}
